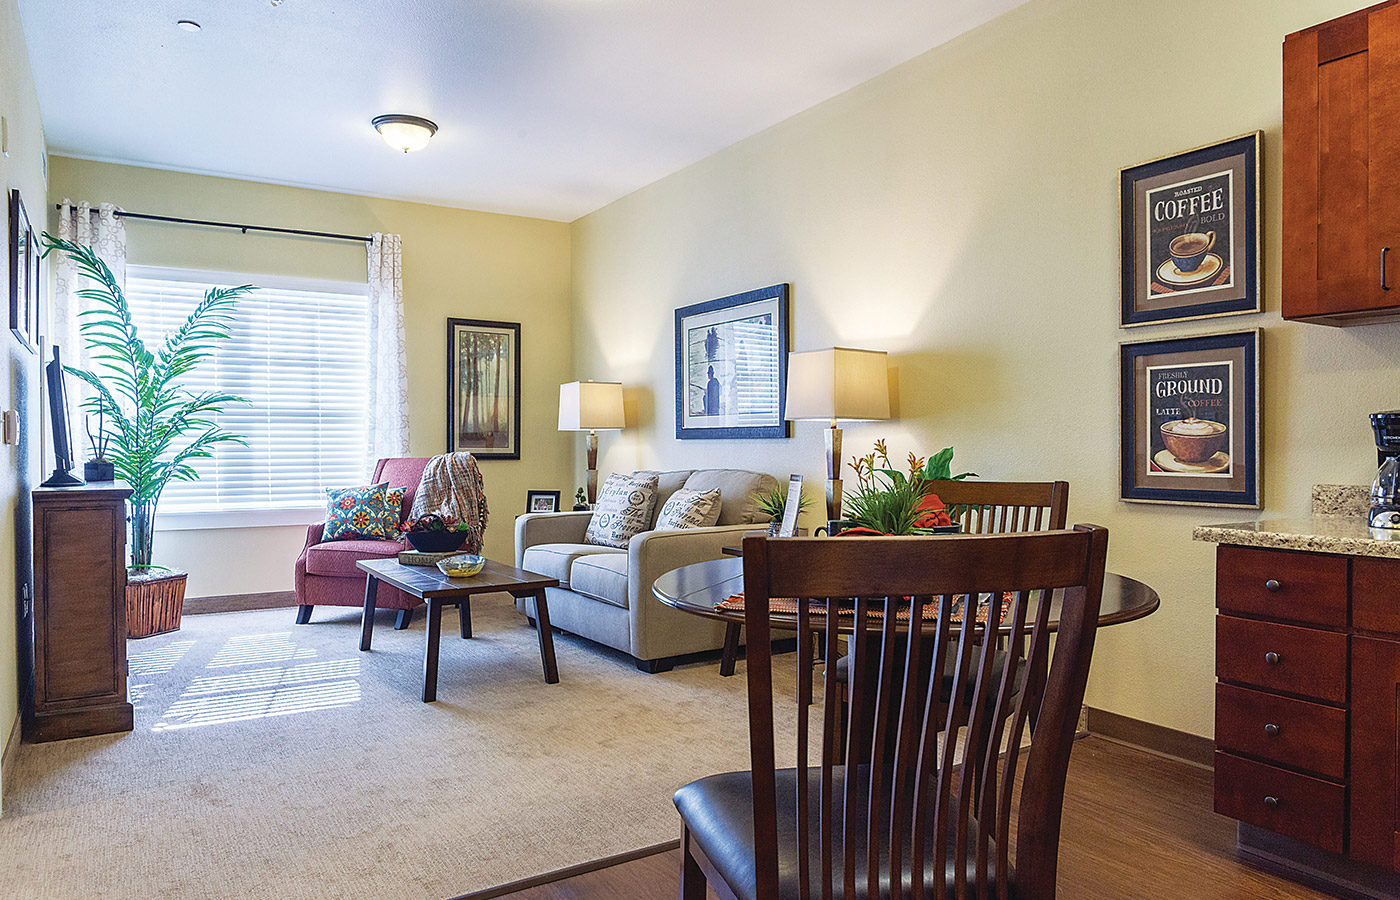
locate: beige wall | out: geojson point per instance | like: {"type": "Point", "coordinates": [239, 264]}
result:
{"type": "Point", "coordinates": [455, 264]}
{"type": "Point", "coordinates": [23, 169]}
{"type": "Point", "coordinates": [960, 212]}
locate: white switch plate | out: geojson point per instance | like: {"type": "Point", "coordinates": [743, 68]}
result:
{"type": "Point", "coordinates": [4, 136]}
{"type": "Point", "coordinates": [9, 427]}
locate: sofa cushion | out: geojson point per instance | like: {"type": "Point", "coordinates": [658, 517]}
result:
{"type": "Point", "coordinates": [337, 558]}
{"type": "Point", "coordinates": [690, 509]}
{"type": "Point", "coordinates": [667, 483]}
{"type": "Point", "coordinates": [602, 576]}
{"type": "Point", "coordinates": [738, 492]}
{"type": "Point", "coordinates": [555, 560]}
{"type": "Point", "coordinates": [624, 509]}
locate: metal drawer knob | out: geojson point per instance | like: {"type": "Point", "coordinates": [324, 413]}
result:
{"type": "Point", "coordinates": [1271, 658]}
{"type": "Point", "coordinates": [1271, 730]}
{"type": "Point", "coordinates": [1272, 585]}
{"type": "Point", "coordinates": [1271, 802]}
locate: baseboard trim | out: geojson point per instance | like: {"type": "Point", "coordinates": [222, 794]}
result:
{"type": "Point", "coordinates": [570, 872]}
{"type": "Point", "coordinates": [222, 603]}
{"type": "Point", "coordinates": [1191, 748]}
{"type": "Point", "coordinates": [8, 756]}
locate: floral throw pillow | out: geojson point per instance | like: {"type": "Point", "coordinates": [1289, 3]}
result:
{"type": "Point", "coordinates": [361, 513]}
{"type": "Point", "coordinates": [688, 508]}
{"type": "Point", "coordinates": [623, 510]}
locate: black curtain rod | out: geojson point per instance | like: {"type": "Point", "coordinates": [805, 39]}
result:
{"type": "Point", "coordinates": [243, 228]}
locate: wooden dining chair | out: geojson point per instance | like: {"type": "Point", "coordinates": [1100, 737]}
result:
{"type": "Point", "coordinates": [906, 797]}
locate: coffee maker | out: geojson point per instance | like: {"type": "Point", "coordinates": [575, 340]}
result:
{"type": "Point", "coordinates": [1385, 490]}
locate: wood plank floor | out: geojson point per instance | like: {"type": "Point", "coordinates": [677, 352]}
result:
{"type": "Point", "coordinates": [1136, 825]}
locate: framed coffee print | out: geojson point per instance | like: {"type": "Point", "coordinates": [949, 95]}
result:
{"type": "Point", "coordinates": [24, 276]}
{"type": "Point", "coordinates": [1189, 242]}
{"type": "Point", "coordinates": [1190, 420]}
{"type": "Point", "coordinates": [483, 388]}
{"type": "Point", "coordinates": [731, 366]}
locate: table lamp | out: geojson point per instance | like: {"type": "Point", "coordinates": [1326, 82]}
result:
{"type": "Point", "coordinates": [837, 384]}
{"type": "Point", "coordinates": [590, 406]}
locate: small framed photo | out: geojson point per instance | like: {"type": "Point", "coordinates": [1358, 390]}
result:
{"type": "Point", "coordinates": [483, 388]}
{"type": "Point", "coordinates": [24, 277]}
{"type": "Point", "coordinates": [731, 366]}
{"type": "Point", "coordinates": [1189, 243]}
{"type": "Point", "coordinates": [541, 501]}
{"type": "Point", "coordinates": [1190, 428]}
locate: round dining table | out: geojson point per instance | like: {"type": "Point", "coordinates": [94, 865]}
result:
{"type": "Point", "coordinates": [698, 588]}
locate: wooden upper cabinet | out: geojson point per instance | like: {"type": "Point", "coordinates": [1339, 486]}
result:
{"type": "Point", "coordinates": [1341, 169]}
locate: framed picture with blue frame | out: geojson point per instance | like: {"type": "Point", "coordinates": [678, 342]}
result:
{"type": "Point", "coordinates": [731, 366]}
{"type": "Point", "coordinates": [1190, 426]}
{"type": "Point", "coordinates": [1189, 240]}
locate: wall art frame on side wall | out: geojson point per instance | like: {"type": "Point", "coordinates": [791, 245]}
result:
{"type": "Point", "coordinates": [541, 501]}
{"type": "Point", "coordinates": [1189, 242]}
{"type": "Point", "coordinates": [24, 276]}
{"type": "Point", "coordinates": [731, 366]}
{"type": "Point", "coordinates": [1190, 427]}
{"type": "Point", "coordinates": [483, 388]}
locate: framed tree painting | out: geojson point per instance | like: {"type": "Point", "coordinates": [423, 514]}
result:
{"type": "Point", "coordinates": [731, 366]}
{"type": "Point", "coordinates": [24, 276]}
{"type": "Point", "coordinates": [1190, 420]}
{"type": "Point", "coordinates": [1189, 240]}
{"type": "Point", "coordinates": [483, 388]}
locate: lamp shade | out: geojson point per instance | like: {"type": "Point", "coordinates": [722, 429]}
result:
{"type": "Point", "coordinates": [838, 383]}
{"type": "Point", "coordinates": [590, 405]}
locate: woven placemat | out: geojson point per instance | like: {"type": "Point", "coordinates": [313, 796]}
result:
{"type": "Point", "coordinates": [787, 606]}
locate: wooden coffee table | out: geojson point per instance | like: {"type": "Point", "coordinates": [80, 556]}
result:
{"type": "Point", "coordinates": [437, 590]}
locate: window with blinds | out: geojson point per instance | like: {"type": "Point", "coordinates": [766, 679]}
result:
{"type": "Point", "coordinates": [297, 354]}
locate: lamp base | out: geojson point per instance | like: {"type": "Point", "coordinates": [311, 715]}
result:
{"type": "Point", "coordinates": [592, 468]}
{"type": "Point", "coordinates": [833, 472]}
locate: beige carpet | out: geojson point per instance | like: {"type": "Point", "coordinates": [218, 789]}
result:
{"type": "Point", "coordinates": [277, 761]}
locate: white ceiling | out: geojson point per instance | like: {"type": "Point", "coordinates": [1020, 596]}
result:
{"type": "Point", "coordinates": [549, 108]}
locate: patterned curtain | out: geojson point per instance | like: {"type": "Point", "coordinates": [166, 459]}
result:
{"type": "Point", "coordinates": [388, 361]}
{"type": "Point", "coordinates": [102, 230]}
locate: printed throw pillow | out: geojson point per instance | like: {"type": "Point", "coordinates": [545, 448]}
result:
{"type": "Point", "coordinates": [624, 509]}
{"type": "Point", "coordinates": [690, 509]}
{"type": "Point", "coordinates": [361, 513]}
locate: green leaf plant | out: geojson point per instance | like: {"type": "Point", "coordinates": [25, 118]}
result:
{"type": "Point", "coordinates": [157, 428]}
{"type": "Point", "coordinates": [888, 501]}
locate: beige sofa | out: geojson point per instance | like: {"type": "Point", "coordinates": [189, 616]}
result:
{"type": "Point", "coordinates": [604, 593]}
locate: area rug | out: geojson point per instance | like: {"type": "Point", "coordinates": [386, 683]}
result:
{"type": "Point", "coordinates": [271, 760]}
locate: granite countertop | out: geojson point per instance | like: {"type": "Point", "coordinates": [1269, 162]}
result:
{"type": "Point", "coordinates": [1337, 525]}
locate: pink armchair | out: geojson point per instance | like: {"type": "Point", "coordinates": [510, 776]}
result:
{"type": "Point", "coordinates": [326, 573]}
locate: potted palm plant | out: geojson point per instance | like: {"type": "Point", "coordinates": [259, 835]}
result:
{"type": "Point", "coordinates": [155, 428]}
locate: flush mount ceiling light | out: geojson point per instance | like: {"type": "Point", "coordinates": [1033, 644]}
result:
{"type": "Point", "coordinates": [188, 24]}
{"type": "Point", "coordinates": [405, 132]}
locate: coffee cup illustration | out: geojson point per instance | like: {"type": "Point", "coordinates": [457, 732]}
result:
{"type": "Point", "coordinates": [1189, 250]}
{"type": "Point", "coordinates": [1193, 440]}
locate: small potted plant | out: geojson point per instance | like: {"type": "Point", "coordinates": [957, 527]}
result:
{"type": "Point", "coordinates": [99, 468]}
{"type": "Point", "coordinates": [580, 501]}
{"type": "Point", "coordinates": [886, 501]}
{"type": "Point", "coordinates": [434, 533]}
{"type": "Point", "coordinates": [774, 502]}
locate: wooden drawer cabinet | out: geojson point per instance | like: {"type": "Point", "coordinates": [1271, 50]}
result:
{"type": "Point", "coordinates": [1281, 584]}
{"type": "Point", "coordinates": [1306, 809]}
{"type": "Point", "coordinates": [1308, 736]}
{"type": "Point", "coordinates": [1285, 658]}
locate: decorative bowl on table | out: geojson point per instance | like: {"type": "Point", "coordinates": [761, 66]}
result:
{"type": "Point", "coordinates": [462, 566]}
{"type": "Point", "coordinates": [436, 541]}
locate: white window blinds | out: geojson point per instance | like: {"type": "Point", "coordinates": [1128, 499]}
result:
{"type": "Point", "coordinates": [297, 354]}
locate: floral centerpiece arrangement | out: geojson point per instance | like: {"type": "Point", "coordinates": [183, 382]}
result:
{"type": "Point", "coordinates": [887, 501]}
{"type": "Point", "coordinates": [435, 533]}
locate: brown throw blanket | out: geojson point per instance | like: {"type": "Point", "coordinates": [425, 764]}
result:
{"type": "Point", "coordinates": [452, 488]}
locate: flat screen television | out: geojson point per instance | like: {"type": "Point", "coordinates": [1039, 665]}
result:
{"type": "Point", "coordinates": [59, 426]}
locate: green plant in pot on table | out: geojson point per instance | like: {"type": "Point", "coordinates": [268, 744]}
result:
{"type": "Point", "coordinates": [773, 503]}
{"type": "Point", "coordinates": [154, 428]}
{"type": "Point", "coordinates": [887, 501]}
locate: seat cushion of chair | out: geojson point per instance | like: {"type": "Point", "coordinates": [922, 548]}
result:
{"type": "Point", "coordinates": [338, 558]}
{"type": "Point", "coordinates": [718, 812]}
{"type": "Point", "coordinates": [602, 576]}
{"type": "Point", "coordinates": [555, 560]}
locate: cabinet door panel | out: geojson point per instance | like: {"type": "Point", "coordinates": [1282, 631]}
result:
{"type": "Point", "coordinates": [1375, 594]}
{"type": "Point", "coordinates": [1383, 60]}
{"type": "Point", "coordinates": [1375, 759]}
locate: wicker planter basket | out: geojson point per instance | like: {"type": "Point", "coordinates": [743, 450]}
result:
{"type": "Point", "coordinates": [154, 602]}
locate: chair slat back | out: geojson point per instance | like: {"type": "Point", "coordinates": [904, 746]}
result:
{"type": "Point", "coordinates": [927, 774]}
{"type": "Point", "coordinates": [1001, 507]}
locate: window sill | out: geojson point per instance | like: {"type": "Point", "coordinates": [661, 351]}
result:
{"type": "Point", "coordinates": [239, 518]}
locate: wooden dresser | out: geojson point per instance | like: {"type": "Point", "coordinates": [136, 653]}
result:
{"type": "Point", "coordinates": [79, 638]}
{"type": "Point", "coordinates": [1307, 724]}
